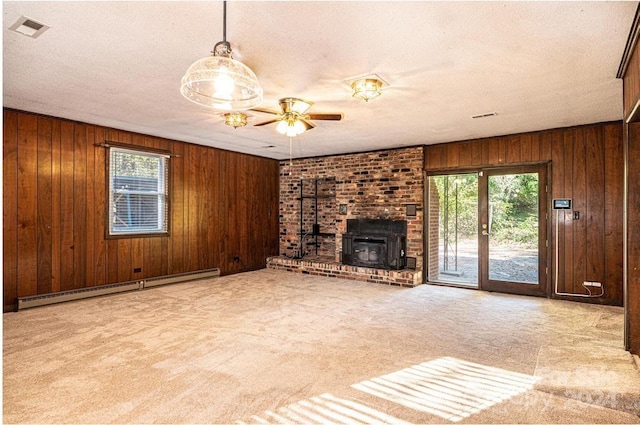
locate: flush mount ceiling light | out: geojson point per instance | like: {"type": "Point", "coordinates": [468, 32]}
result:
{"type": "Point", "coordinates": [29, 27]}
{"type": "Point", "coordinates": [368, 87]}
{"type": "Point", "coordinates": [235, 119]}
{"type": "Point", "coordinates": [221, 82]}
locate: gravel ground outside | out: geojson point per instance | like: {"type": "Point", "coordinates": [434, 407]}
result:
{"type": "Point", "coordinates": [508, 262]}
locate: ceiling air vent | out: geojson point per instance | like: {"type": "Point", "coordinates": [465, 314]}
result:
{"type": "Point", "coordinates": [488, 114]}
{"type": "Point", "coordinates": [29, 27]}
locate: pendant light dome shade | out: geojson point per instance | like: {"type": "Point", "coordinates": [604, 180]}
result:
{"type": "Point", "coordinates": [221, 82]}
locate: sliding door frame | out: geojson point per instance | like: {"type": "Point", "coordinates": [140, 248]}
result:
{"type": "Point", "coordinates": [545, 242]}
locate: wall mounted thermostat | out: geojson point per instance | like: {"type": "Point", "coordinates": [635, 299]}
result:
{"type": "Point", "coordinates": [562, 204]}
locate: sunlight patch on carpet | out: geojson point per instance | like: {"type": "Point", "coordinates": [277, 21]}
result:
{"type": "Point", "coordinates": [447, 387]}
{"type": "Point", "coordinates": [325, 409]}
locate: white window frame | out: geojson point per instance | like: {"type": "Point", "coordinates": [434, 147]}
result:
{"type": "Point", "coordinates": [162, 220]}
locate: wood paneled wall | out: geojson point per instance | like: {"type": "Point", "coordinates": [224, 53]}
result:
{"type": "Point", "coordinates": [586, 166]}
{"type": "Point", "coordinates": [222, 205]}
{"type": "Point", "coordinates": [631, 89]}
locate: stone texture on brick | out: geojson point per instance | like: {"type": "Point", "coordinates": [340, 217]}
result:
{"type": "Point", "coordinates": [372, 185]}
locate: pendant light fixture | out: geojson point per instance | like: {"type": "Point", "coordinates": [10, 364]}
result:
{"type": "Point", "coordinates": [221, 82]}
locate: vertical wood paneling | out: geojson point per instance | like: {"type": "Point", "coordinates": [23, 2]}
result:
{"type": "Point", "coordinates": [535, 147]}
{"type": "Point", "coordinates": [56, 207]}
{"type": "Point", "coordinates": [56, 217]}
{"type": "Point", "coordinates": [223, 196]}
{"type": "Point", "coordinates": [90, 273]}
{"type": "Point", "coordinates": [586, 166]}
{"type": "Point", "coordinates": [546, 143]}
{"type": "Point", "coordinates": [633, 236]}
{"type": "Point", "coordinates": [212, 211]}
{"type": "Point", "coordinates": [44, 212]}
{"type": "Point", "coordinates": [203, 210]}
{"type": "Point", "coordinates": [631, 81]}
{"type": "Point", "coordinates": [80, 206]}
{"type": "Point", "coordinates": [436, 157]}
{"type": "Point", "coordinates": [579, 193]}
{"type": "Point", "coordinates": [27, 204]}
{"type": "Point", "coordinates": [10, 212]}
{"type": "Point", "coordinates": [177, 210]}
{"type": "Point", "coordinates": [494, 151]}
{"type": "Point", "coordinates": [526, 148]}
{"type": "Point", "coordinates": [513, 150]}
{"type": "Point", "coordinates": [453, 155]}
{"type": "Point", "coordinates": [613, 214]}
{"type": "Point", "coordinates": [631, 140]}
{"type": "Point", "coordinates": [192, 207]}
{"type": "Point", "coordinates": [477, 153]}
{"type": "Point", "coordinates": [560, 189]}
{"type": "Point", "coordinates": [100, 198]}
{"type": "Point", "coordinates": [465, 156]}
{"type": "Point", "coordinates": [595, 211]}
{"type": "Point", "coordinates": [66, 206]}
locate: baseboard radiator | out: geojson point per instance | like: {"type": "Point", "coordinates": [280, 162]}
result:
{"type": "Point", "coordinates": [95, 291]}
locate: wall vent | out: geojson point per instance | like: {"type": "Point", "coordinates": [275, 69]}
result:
{"type": "Point", "coordinates": [488, 114]}
{"type": "Point", "coordinates": [29, 27]}
{"type": "Point", "coordinates": [78, 294]}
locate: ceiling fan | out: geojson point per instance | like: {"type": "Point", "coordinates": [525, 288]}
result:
{"type": "Point", "coordinates": [293, 118]}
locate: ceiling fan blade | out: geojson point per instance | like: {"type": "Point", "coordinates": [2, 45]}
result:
{"type": "Point", "coordinates": [308, 124]}
{"type": "Point", "coordinates": [266, 111]}
{"type": "Point", "coordinates": [328, 117]}
{"type": "Point", "coordinates": [267, 122]}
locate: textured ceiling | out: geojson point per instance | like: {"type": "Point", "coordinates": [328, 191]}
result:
{"type": "Point", "coordinates": [538, 65]}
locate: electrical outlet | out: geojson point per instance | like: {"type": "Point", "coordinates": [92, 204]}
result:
{"type": "Point", "coordinates": [593, 284]}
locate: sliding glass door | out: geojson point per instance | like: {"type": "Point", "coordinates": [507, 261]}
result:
{"type": "Point", "coordinates": [487, 229]}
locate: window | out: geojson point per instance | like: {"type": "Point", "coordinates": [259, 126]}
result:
{"type": "Point", "coordinates": [138, 192]}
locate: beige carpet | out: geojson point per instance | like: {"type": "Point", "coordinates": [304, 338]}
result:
{"type": "Point", "coordinates": [272, 346]}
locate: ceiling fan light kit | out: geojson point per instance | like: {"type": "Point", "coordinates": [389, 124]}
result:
{"type": "Point", "coordinates": [221, 82]}
{"type": "Point", "coordinates": [235, 119]}
{"type": "Point", "coordinates": [293, 119]}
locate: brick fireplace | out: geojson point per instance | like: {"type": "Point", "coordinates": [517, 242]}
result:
{"type": "Point", "coordinates": [374, 185]}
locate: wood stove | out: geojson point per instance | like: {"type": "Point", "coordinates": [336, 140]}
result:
{"type": "Point", "coordinates": [377, 243]}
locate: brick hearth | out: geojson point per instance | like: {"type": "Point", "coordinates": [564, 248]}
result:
{"type": "Point", "coordinates": [328, 268]}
